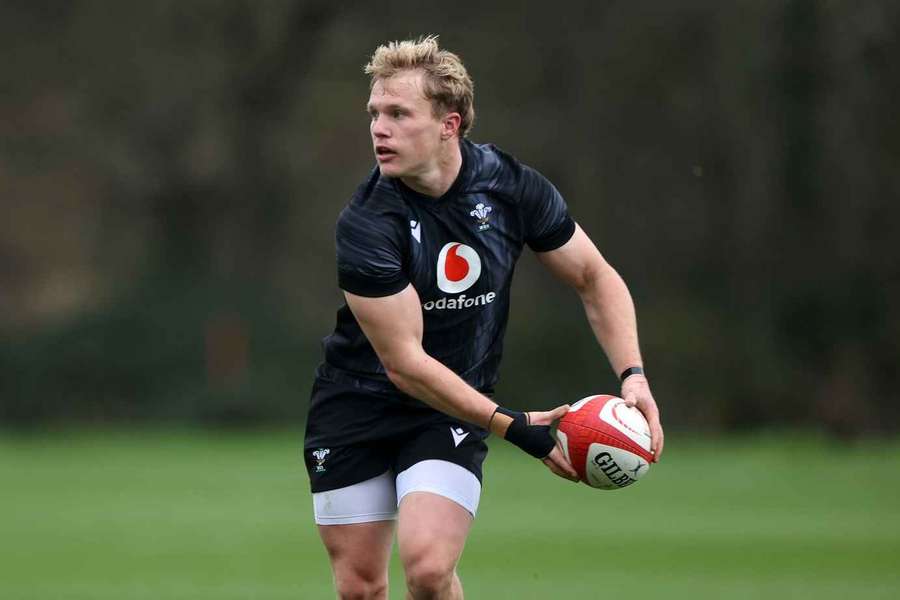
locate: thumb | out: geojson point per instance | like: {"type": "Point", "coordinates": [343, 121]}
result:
{"type": "Point", "coordinates": [559, 412]}
{"type": "Point", "coordinates": [630, 399]}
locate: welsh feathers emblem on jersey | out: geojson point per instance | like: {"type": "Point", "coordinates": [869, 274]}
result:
{"type": "Point", "coordinates": [320, 455]}
{"type": "Point", "coordinates": [481, 213]}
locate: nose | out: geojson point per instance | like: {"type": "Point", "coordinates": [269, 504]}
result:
{"type": "Point", "coordinates": [379, 128]}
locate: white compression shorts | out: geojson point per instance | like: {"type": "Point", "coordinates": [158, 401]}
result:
{"type": "Point", "coordinates": [377, 499]}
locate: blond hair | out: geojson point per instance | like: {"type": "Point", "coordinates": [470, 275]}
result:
{"type": "Point", "coordinates": [447, 84]}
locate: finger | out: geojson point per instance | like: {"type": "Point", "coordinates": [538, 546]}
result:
{"type": "Point", "coordinates": [559, 412]}
{"type": "Point", "coordinates": [630, 399]}
{"type": "Point", "coordinates": [659, 443]}
{"type": "Point", "coordinates": [647, 406]}
{"type": "Point", "coordinates": [552, 462]}
{"type": "Point", "coordinates": [547, 417]}
{"type": "Point", "coordinates": [656, 438]}
{"type": "Point", "coordinates": [559, 459]}
{"type": "Point", "coordinates": [554, 468]}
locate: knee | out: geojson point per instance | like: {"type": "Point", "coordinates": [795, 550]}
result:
{"type": "Point", "coordinates": [352, 584]}
{"type": "Point", "coordinates": [429, 577]}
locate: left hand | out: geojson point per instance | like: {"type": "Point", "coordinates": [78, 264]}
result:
{"type": "Point", "coordinates": [556, 461]}
{"type": "Point", "coordinates": [636, 392]}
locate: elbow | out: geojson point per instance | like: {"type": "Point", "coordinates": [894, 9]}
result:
{"type": "Point", "coordinates": [596, 281]}
{"type": "Point", "coordinates": [398, 379]}
{"type": "Point", "coordinates": [589, 279]}
{"type": "Point", "coordinates": [400, 372]}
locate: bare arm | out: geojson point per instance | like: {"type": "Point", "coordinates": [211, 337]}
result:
{"type": "Point", "coordinates": [610, 312]}
{"type": "Point", "coordinates": [393, 325]}
{"type": "Point", "coordinates": [607, 301]}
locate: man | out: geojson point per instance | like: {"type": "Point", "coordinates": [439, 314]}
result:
{"type": "Point", "coordinates": [426, 250]}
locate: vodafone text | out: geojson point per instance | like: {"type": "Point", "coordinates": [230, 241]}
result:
{"type": "Point", "coordinates": [460, 302]}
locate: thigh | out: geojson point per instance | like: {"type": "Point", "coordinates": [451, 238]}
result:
{"type": "Point", "coordinates": [359, 554]}
{"type": "Point", "coordinates": [356, 524]}
{"type": "Point", "coordinates": [438, 500]}
{"type": "Point", "coordinates": [438, 490]}
{"type": "Point", "coordinates": [432, 530]}
{"type": "Point", "coordinates": [374, 499]}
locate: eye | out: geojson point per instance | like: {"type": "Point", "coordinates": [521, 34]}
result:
{"type": "Point", "coordinates": [397, 113]}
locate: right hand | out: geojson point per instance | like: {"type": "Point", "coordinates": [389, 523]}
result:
{"type": "Point", "coordinates": [556, 461]}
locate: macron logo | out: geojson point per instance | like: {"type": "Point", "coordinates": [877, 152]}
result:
{"type": "Point", "coordinates": [415, 227]}
{"type": "Point", "coordinates": [459, 434]}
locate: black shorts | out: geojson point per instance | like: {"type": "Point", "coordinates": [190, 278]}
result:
{"type": "Point", "coordinates": [355, 433]}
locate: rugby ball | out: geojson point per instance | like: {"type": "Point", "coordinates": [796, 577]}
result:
{"type": "Point", "coordinates": [607, 442]}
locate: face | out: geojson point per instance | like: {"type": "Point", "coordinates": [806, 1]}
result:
{"type": "Point", "coordinates": [405, 133]}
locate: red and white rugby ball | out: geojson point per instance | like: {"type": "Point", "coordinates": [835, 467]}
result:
{"type": "Point", "coordinates": [607, 442]}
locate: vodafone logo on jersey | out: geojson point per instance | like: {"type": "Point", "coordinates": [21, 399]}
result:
{"type": "Point", "coordinates": [458, 268]}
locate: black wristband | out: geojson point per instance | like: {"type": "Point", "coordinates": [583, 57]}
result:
{"type": "Point", "coordinates": [533, 439]}
{"type": "Point", "coordinates": [631, 371]}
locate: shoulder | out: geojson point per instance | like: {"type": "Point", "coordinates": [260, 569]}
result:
{"type": "Point", "coordinates": [377, 195]}
{"type": "Point", "coordinates": [491, 166]}
{"type": "Point", "coordinates": [371, 241]}
{"type": "Point", "coordinates": [498, 171]}
{"type": "Point", "coordinates": [375, 203]}
{"type": "Point", "coordinates": [542, 209]}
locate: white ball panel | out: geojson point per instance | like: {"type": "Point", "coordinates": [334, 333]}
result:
{"type": "Point", "coordinates": [611, 468]}
{"type": "Point", "coordinates": [577, 406]}
{"type": "Point", "coordinates": [629, 420]}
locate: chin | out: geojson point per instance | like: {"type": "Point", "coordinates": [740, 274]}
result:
{"type": "Point", "coordinates": [389, 170]}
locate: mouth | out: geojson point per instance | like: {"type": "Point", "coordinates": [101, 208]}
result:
{"type": "Point", "coordinates": [384, 153]}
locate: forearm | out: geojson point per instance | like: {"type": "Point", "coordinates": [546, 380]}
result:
{"type": "Point", "coordinates": [610, 312]}
{"type": "Point", "coordinates": [421, 376]}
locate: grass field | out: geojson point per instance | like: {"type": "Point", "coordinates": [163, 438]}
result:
{"type": "Point", "coordinates": [150, 515]}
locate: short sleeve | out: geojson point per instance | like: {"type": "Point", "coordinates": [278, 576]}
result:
{"type": "Point", "coordinates": [369, 255]}
{"type": "Point", "coordinates": [545, 214]}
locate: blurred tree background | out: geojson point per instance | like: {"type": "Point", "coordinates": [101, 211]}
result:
{"type": "Point", "coordinates": [170, 174]}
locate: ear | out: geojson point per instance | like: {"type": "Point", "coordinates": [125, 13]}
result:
{"type": "Point", "coordinates": [450, 125]}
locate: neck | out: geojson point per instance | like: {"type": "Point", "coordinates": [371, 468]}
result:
{"type": "Point", "coordinates": [436, 180]}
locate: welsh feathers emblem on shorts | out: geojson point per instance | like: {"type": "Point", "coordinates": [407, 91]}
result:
{"type": "Point", "coordinates": [320, 455]}
{"type": "Point", "coordinates": [481, 213]}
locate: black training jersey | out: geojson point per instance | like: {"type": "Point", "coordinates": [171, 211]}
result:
{"type": "Point", "coordinates": [458, 251]}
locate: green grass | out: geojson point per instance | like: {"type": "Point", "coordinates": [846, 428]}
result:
{"type": "Point", "coordinates": [150, 515]}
